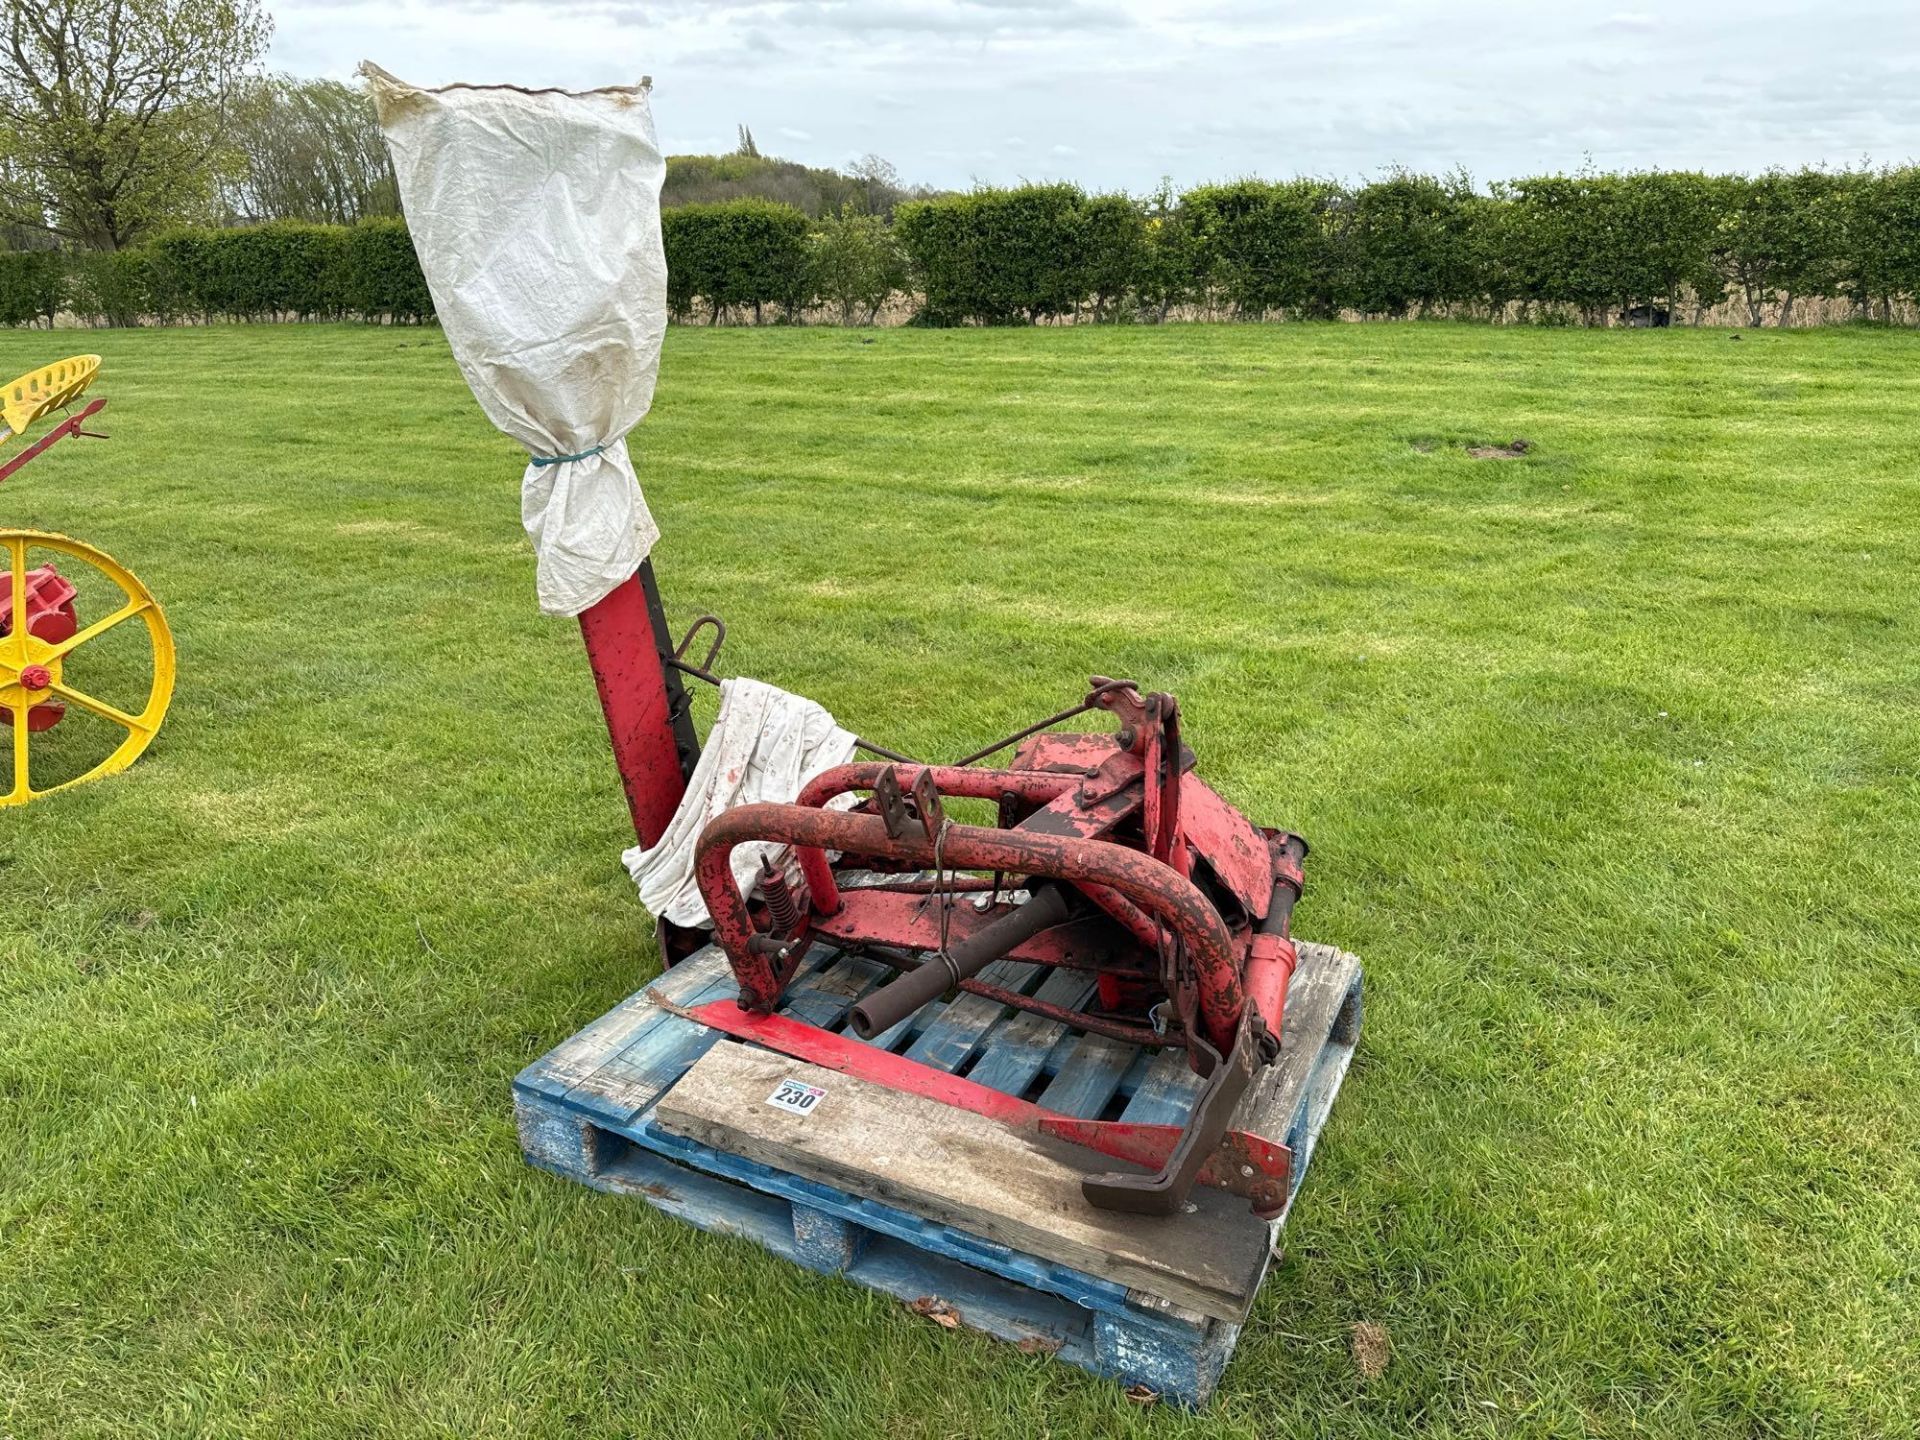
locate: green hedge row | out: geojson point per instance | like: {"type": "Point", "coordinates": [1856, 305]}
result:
{"type": "Point", "coordinates": [738, 253]}
{"type": "Point", "coordinates": [262, 272]}
{"type": "Point", "coordinates": [1590, 248]}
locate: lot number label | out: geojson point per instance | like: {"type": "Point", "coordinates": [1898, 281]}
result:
{"type": "Point", "coordinates": [796, 1097]}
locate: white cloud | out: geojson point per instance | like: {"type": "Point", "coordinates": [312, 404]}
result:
{"type": "Point", "coordinates": [1114, 93]}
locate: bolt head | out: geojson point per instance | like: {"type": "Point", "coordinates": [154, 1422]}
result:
{"type": "Point", "coordinates": [36, 677]}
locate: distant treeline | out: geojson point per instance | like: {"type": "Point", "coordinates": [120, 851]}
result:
{"type": "Point", "coordinates": [870, 185]}
{"type": "Point", "coordinates": [1592, 249]}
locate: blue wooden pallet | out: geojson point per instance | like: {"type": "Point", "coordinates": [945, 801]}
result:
{"type": "Point", "coordinates": [587, 1111]}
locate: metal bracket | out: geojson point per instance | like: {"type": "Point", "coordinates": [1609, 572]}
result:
{"type": "Point", "coordinates": [926, 799]}
{"type": "Point", "coordinates": [704, 670]}
{"type": "Point", "coordinates": [899, 810]}
{"type": "Point", "coordinates": [892, 804]}
{"type": "Point", "coordinates": [1165, 1191]}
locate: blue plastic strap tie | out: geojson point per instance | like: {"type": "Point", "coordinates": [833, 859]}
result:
{"type": "Point", "coordinates": [543, 460]}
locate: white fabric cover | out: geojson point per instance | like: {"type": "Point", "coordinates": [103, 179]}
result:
{"type": "Point", "coordinates": [765, 745]}
{"type": "Point", "coordinates": [536, 217]}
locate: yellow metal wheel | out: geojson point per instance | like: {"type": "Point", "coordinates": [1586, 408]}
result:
{"type": "Point", "coordinates": [33, 670]}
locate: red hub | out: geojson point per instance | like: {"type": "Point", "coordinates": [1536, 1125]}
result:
{"type": "Point", "coordinates": [51, 617]}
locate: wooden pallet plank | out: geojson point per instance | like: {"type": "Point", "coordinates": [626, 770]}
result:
{"type": "Point", "coordinates": [578, 1056]}
{"type": "Point", "coordinates": [635, 1074]}
{"type": "Point", "coordinates": [897, 1034]}
{"type": "Point", "coordinates": [1292, 1098]}
{"type": "Point", "coordinates": [1079, 1318]}
{"type": "Point", "coordinates": [948, 1042]}
{"type": "Point", "coordinates": [927, 1236]}
{"type": "Point", "coordinates": [1105, 1323]}
{"type": "Point", "coordinates": [962, 1169]}
{"type": "Point", "coordinates": [632, 1077]}
{"type": "Point", "coordinates": [568, 1063]}
{"type": "Point", "coordinates": [1016, 1050]}
{"type": "Point", "coordinates": [824, 997]}
{"type": "Point", "coordinates": [1316, 1001]}
{"type": "Point", "coordinates": [1166, 1093]}
{"type": "Point", "coordinates": [1090, 1077]}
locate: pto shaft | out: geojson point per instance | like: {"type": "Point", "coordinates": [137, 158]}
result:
{"type": "Point", "coordinates": [894, 1001]}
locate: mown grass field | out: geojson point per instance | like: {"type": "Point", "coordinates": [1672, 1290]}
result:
{"type": "Point", "coordinates": [1609, 756]}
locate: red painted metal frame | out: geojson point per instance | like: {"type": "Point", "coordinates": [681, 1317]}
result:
{"type": "Point", "coordinates": [1167, 897]}
{"type": "Point", "coordinates": [1035, 787]}
{"type": "Point", "coordinates": [624, 649]}
{"type": "Point", "coordinates": [1118, 818]}
{"type": "Point", "coordinates": [1246, 1164]}
{"type": "Point", "coordinates": [68, 426]}
{"type": "Point", "coordinates": [955, 781]}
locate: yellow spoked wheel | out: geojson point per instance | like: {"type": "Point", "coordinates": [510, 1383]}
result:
{"type": "Point", "coordinates": [40, 677]}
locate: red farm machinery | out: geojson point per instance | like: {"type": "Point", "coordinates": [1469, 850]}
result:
{"type": "Point", "coordinates": [1109, 854]}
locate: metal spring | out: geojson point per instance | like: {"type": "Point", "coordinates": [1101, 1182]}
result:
{"type": "Point", "coordinates": [783, 915]}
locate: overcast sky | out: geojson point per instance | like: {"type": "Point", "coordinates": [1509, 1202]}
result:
{"type": "Point", "coordinates": [1117, 93]}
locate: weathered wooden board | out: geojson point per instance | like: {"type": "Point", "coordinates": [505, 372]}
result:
{"type": "Point", "coordinates": [953, 1166]}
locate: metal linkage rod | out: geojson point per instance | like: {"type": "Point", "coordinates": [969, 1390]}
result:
{"type": "Point", "coordinates": [1085, 705]}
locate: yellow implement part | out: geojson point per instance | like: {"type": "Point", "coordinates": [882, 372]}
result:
{"type": "Point", "coordinates": [32, 670]}
{"type": "Point", "coordinates": [41, 391]}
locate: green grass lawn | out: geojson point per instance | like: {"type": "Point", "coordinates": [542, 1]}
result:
{"type": "Point", "coordinates": [1609, 757]}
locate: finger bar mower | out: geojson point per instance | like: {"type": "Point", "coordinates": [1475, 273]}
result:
{"type": "Point", "coordinates": [1107, 854]}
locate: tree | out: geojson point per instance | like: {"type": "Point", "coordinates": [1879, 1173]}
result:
{"type": "Point", "coordinates": [856, 263]}
{"type": "Point", "coordinates": [749, 252]}
{"type": "Point", "coordinates": [1881, 238]}
{"type": "Point", "coordinates": [1265, 245]}
{"type": "Point", "coordinates": [1675, 215]}
{"type": "Point", "coordinates": [309, 150]}
{"type": "Point", "coordinates": [1569, 243]}
{"type": "Point", "coordinates": [1497, 272]}
{"type": "Point", "coordinates": [1112, 246]}
{"type": "Point", "coordinates": [879, 182]}
{"type": "Point", "coordinates": [113, 113]}
{"type": "Point", "coordinates": [1166, 276]}
{"type": "Point", "coordinates": [998, 257]}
